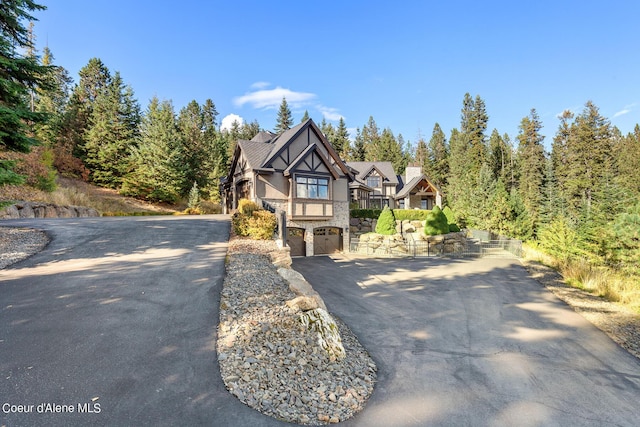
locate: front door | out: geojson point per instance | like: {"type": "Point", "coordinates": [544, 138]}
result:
{"type": "Point", "coordinates": [327, 240]}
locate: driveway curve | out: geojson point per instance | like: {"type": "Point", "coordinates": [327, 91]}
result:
{"type": "Point", "coordinates": [475, 343]}
{"type": "Point", "coordinates": [114, 323]}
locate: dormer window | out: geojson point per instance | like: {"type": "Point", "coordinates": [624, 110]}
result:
{"type": "Point", "coordinates": [312, 187]}
{"type": "Point", "coordinates": [373, 181]}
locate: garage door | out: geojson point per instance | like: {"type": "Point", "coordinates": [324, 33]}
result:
{"type": "Point", "coordinates": [327, 240]}
{"type": "Point", "coordinates": [295, 240]}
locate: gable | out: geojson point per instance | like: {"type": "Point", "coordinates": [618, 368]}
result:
{"type": "Point", "coordinates": [311, 160]}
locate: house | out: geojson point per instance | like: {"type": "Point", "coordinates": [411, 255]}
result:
{"type": "Point", "coordinates": [416, 191]}
{"type": "Point", "coordinates": [376, 185]}
{"type": "Point", "coordinates": [297, 172]}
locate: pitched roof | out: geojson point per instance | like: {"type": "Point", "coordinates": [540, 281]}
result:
{"type": "Point", "coordinates": [409, 186]}
{"type": "Point", "coordinates": [254, 151]}
{"type": "Point", "coordinates": [364, 168]}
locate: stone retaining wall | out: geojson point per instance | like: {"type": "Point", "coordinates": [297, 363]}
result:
{"type": "Point", "coordinates": [45, 210]}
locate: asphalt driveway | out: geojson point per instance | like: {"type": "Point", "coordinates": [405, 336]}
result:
{"type": "Point", "coordinates": [475, 343]}
{"type": "Point", "coordinates": [116, 321]}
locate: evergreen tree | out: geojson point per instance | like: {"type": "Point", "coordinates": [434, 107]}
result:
{"type": "Point", "coordinates": [627, 155]}
{"type": "Point", "coordinates": [19, 76]}
{"type": "Point", "coordinates": [192, 146]}
{"type": "Point", "coordinates": [589, 156]}
{"type": "Point", "coordinates": [370, 135]}
{"type": "Point", "coordinates": [329, 131]}
{"type": "Point", "coordinates": [391, 150]}
{"type": "Point", "coordinates": [95, 78]}
{"type": "Point", "coordinates": [437, 167]}
{"type": "Point", "coordinates": [305, 117]}
{"type": "Point", "coordinates": [113, 131]}
{"type": "Point", "coordinates": [459, 181]}
{"type": "Point", "coordinates": [531, 160]}
{"type": "Point", "coordinates": [155, 172]}
{"type": "Point", "coordinates": [421, 157]}
{"type": "Point", "coordinates": [285, 120]}
{"type": "Point", "coordinates": [51, 99]}
{"type": "Point", "coordinates": [341, 142]}
{"type": "Point", "coordinates": [386, 223]}
{"type": "Point", "coordinates": [358, 152]}
{"type": "Point", "coordinates": [473, 124]}
{"type": "Point", "coordinates": [560, 156]}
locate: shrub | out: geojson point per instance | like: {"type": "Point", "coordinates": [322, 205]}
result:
{"type": "Point", "coordinates": [410, 214]}
{"type": "Point", "coordinates": [436, 223]}
{"type": "Point", "coordinates": [386, 222]}
{"type": "Point", "coordinates": [451, 219]}
{"type": "Point", "coordinates": [365, 213]}
{"type": "Point", "coordinates": [247, 207]}
{"type": "Point", "coordinates": [259, 225]}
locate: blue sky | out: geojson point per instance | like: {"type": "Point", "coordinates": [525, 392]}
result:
{"type": "Point", "coordinates": [406, 63]}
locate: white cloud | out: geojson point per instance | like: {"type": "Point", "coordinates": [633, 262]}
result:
{"type": "Point", "coordinates": [227, 121]}
{"type": "Point", "coordinates": [272, 98]}
{"type": "Point", "coordinates": [625, 110]}
{"type": "Point", "coordinates": [329, 113]}
{"type": "Point", "coordinates": [260, 85]}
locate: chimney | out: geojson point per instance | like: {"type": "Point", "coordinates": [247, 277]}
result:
{"type": "Point", "coordinates": [412, 172]}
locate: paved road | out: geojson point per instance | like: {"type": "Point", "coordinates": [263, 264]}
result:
{"type": "Point", "coordinates": [117, 315]}
{"type": "Point", "coordinates": [475, 343]}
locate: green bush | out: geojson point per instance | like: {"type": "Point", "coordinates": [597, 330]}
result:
{"type": "Point", "coordinates": [451, 219]}
{"type": "Point", "coordinates": [386, 222]}
{"type": "Point", "coordinates": [436, 223]}
{"type": "Point", "coordinates": [365, 213]}
{"type": "Point", "coordinates": [410, 214]}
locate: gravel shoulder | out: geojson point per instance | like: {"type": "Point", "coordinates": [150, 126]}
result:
{"type": "Point", "coordinates": [17, 244]}
{"type": "Point", "coordinates": [621, 324]}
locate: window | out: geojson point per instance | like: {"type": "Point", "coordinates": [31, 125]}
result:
{"type": "Point", "coordinates": [312, 188]}
{"type": "Point", "coordinates": [401, 203]}
{"type": "Point", "coordinates": [373, 181]}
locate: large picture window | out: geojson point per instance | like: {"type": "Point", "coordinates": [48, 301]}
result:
{"type": "Point", "coordinates": [373, 181]}
{"type": "Point", "coordinates": [312, 188]}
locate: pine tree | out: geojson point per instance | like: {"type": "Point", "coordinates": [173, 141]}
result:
{"type": "Point", "coordinates": [341, 143]}
{"type": "Point", "coordinates": [51, 99]}
{"type": "Point", "coordinates": [305, 116]}
{"type": "Point", "coordinates": [589, 156]}
{"type": "Point", "coordinates": [370, 135]}
{"type": "Point", "coordinates": [627, 154]}
{"type": "Point", "coordinates": [285, 120]}
{"type": "Point", "coordinates": [438, 161]}
{"type": "Point", "coordinates": [531, 160]}
{"type": "Point", "coordinates": [391, 150]}
{"type": "Point", "coordinates": [20, 75]}
{"type": "Point", "coordinates": [192, 147]}
{"type": "Point", "coordinates": [155, 173]}
{"type": "Point", "coordinates": [358, 152]}
{"type": "Point", "coordinates": [112, 132]}
{"type": "Point", "coordinates": [421, 157]}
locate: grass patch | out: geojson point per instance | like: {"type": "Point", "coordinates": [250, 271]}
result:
{"type": "Point", "coordinates": [606, 282]}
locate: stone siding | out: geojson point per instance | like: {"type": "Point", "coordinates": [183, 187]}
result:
{"type": "Point", "coordinates": [340, 219]}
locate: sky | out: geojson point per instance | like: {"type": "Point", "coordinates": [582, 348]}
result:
{"type": "Point", "coordinates": [407, 64]}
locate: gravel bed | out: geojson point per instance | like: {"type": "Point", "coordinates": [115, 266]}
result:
{"type": "Point", "coordinates": [270, 361]}
{"type": "Point", "coordinates": [17, 244]}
